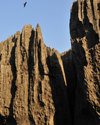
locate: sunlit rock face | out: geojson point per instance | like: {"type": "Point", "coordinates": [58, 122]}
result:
{"type": "Point", "coordinates": [32, 81]}
{"type": "Point", "coordinates": [40, 86]}
{"type": "Point", "coordinates": [85, 40]}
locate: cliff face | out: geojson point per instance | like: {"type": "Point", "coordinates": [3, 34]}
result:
{"type": "Point", "coordinates": [32, 81]}
{"type": "Point", "coordinates": [39, 86]}
{"type": "Point", "coordinates": [85, 40]}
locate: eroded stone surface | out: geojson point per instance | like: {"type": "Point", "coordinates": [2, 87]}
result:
{"type": "Point", "coordinates": [32, 81]}
{"type": "Point", "coordinates": [85, 39]}
{"type": "Point", "coordinates": [39, 86]}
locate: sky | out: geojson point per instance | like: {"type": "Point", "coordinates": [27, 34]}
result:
{"type": "Point", "coordinates": [53, 17]}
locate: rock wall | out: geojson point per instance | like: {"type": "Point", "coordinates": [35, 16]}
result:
{"type": "Point", "coordinates": [85, 40]}
{"type": "Point", "coordinates": [40, 86]}
{"type": "Point", "coordinates": [32, 81]}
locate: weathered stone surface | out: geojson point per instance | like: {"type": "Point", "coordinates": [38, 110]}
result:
{"type": "Point", "coordinates": [32, 81]}
{"type": "Point", "coordinates": [85, 40]}
{"type": "Point", "coordinates": [39, 86]}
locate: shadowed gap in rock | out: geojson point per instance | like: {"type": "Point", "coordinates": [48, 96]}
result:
{"type": "Point", "coordinates": [59, 94]}
{"type": "Point", "coordinates": [71, 78]}
{"type": "Point", "coordinates": [13, 68]}
{"type": "Point", "coordinates": [30, 72]}
{"type": "Point", "coordinates": [0, 57]}
{"type": "Point", "coordinates": [41, 69]}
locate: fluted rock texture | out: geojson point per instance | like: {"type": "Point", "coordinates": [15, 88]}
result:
{"type": "Point", "coordinates": [32, 81]}
{"type": "Point", "coordinates": [40, 86]}
{"type": "Point", "coordinates": [85, 40]}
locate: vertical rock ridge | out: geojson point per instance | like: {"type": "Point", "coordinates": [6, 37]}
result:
{"type": "Point", "coordinates": [85, 35]}
{"type": "Point", "coordinates": [39, 86]}
{"type": "Point", "coordinates": [32, 81]}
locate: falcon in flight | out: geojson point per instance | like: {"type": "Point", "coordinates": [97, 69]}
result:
{"type": "Point", "coordinates": [25, 4]}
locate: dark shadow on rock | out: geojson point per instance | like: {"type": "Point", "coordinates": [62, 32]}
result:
{"type": "Point", "coordinates": [59, 94]}
{"type": "Point", "coordinates": [0, 57]}
{"type": "Point", "coordinates": [92, 9]}
{"type": "Point", "coordinates": [31, 74]}
{"type": "Point", "coordinates": [13, 68]}
{"type": "Point", "coordinates": [2, 120]}
{"type": "Point", "coordinates": [40, 93]}
{"type": "Point", "coordinates": [41, 69]}
{"type": "Point", "coordinates": [70, 72]}
{"type": "Point", "coordinates": [22, 48]}
{"type": "Point", "coordinates": [11, 121]}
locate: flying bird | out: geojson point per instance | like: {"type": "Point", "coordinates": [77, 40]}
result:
{"type": "Point", "coordinates": [25, 4]}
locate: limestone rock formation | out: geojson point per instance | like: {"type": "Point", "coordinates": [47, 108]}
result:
{"type": "Point", "coordinates": [40, 86]}
{"type": "Point", "coordinates": [32, 81]}
{"type": "Point", "coordinates": [85, 40]}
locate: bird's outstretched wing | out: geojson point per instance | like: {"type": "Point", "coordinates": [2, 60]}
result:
{"type": "Point", "coordinates": [25, 4]}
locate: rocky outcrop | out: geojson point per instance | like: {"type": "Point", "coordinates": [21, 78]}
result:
{"type": "Point", "coordinates": [85, 40]}
{"type": "Point", "coordinates": [39, 86]}
{"type": "Point", "coordinates": [32, 81]}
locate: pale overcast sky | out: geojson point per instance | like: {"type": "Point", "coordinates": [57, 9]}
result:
{"type": "Point", "coordinates": [52, 15]}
